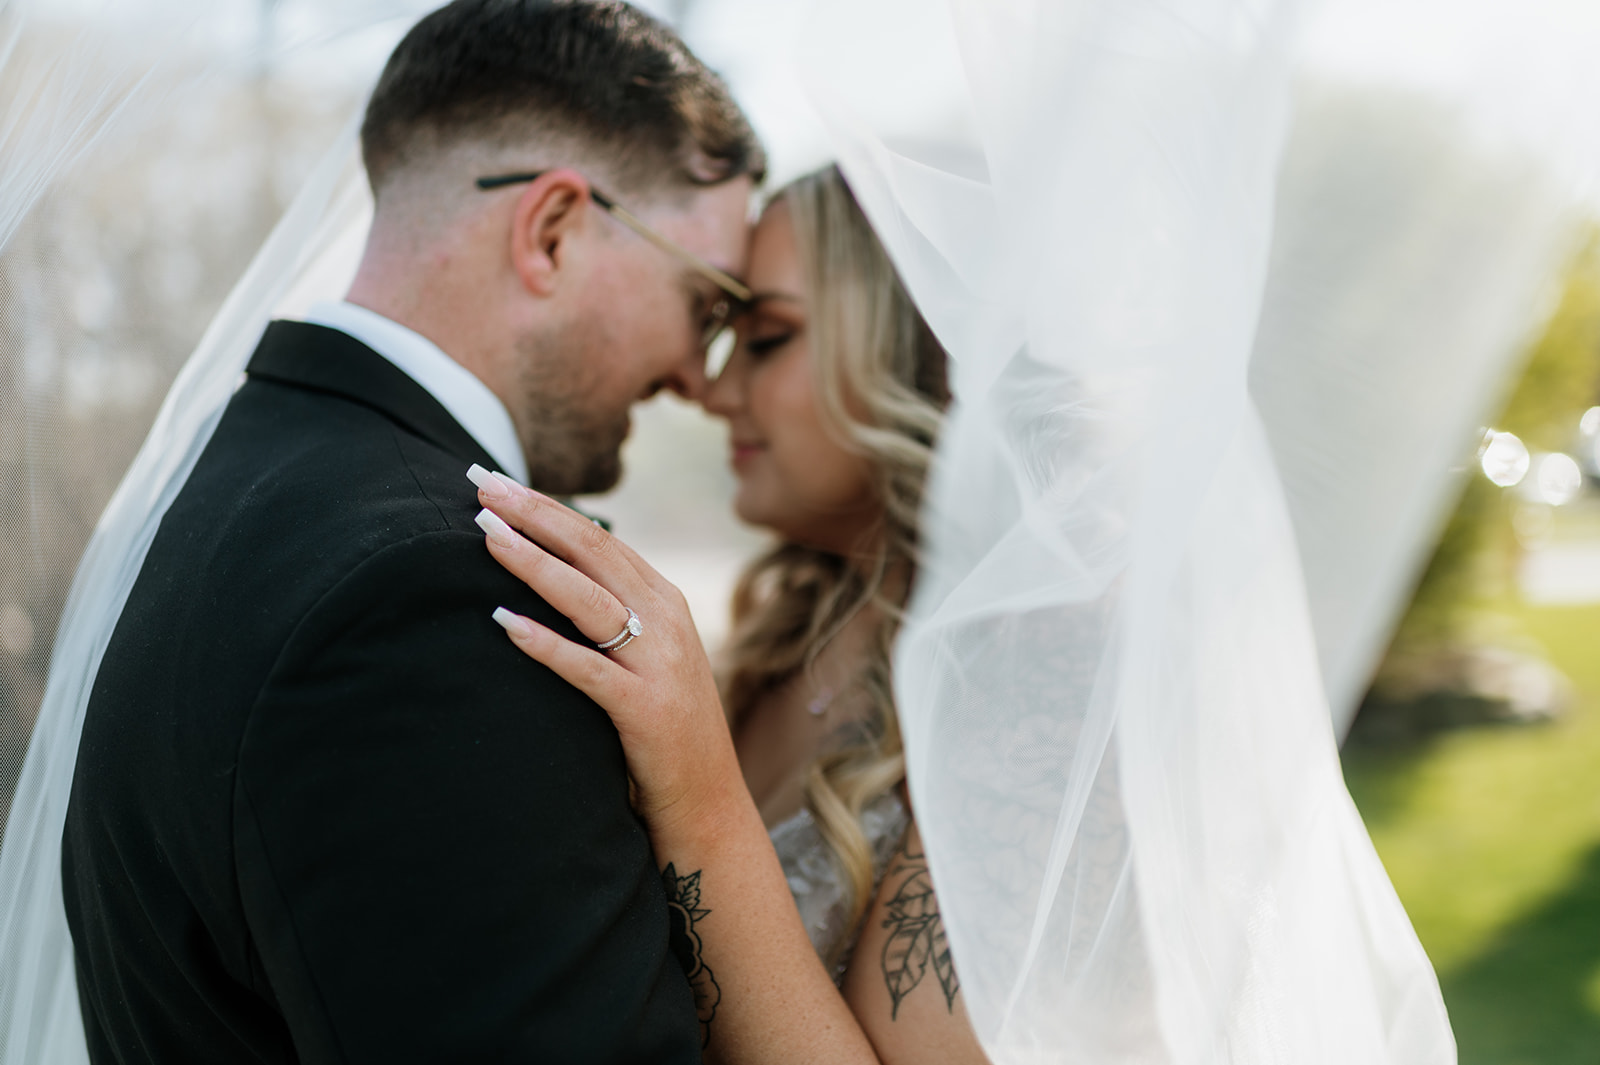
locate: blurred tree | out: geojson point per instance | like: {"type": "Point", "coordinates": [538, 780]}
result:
{"type": "Point", "coordinates": [1562, 378]}
{"type": "Point", "coordinates": [1473, 568]}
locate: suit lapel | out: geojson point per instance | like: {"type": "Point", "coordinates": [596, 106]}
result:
{"type": "Point", "coordinates": [327, 360]}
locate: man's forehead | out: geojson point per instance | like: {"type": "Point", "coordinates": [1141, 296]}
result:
{"type": "Point", "coordinates": [717, 207]}
{"type": "Point", "coordinates": [714, 221]}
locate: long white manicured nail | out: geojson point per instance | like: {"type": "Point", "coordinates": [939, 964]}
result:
{"type": "Point", "coordinates": [512, 623]}
{"type": "Point", "coordinates": [489, 484]}
{"type": "Point", "coordinates": [508, 479]}
{"type": "Point", "coordinates": [498, 530]}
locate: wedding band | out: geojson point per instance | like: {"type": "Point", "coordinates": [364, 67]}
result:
{"type": "Point", "coordinates": [622, 639]}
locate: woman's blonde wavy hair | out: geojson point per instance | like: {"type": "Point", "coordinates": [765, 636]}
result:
{"type": "Point", "coordinates": [880, 381]}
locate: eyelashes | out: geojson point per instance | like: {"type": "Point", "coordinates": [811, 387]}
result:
{"type": "Point", "coordinates": [768, 344]}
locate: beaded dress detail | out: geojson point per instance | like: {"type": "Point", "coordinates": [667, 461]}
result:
{"type": "Point", "coordinates": [814, 879]}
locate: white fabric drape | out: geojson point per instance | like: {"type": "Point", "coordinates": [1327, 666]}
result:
{"type": "Point", "coordinates": [1117, 726]}
{"type": "Point", "coordinates": [1409, 270]}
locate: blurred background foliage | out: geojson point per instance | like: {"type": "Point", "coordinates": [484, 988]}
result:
{"type": "Point", "coordinates": [1474, 564]}
{"type": "Point", "coordinates": [1458, 613]}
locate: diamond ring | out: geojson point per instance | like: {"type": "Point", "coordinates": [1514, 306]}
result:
{"type": "Point", "coordinates": [629, 631]}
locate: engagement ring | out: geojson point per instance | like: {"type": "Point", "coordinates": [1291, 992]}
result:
{"type": "Point", "coordinates": [632, 629]}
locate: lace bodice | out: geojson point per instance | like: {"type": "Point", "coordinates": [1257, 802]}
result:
{"type": "Point", "coordinates": [814, 879]}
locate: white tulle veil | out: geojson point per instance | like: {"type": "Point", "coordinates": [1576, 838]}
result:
{"type": "Point", "coordinates": [1175, 509]}
{"type": "Point", "coordinates": [1180, 405]}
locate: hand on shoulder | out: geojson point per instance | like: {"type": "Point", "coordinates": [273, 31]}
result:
{"type": "Point", "coordinates": [648, 669]}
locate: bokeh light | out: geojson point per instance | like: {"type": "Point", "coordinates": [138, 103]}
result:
{"type": "Point", "coordinates": [1589, 448]}
{"type": "Point", "coordinates": [1557, 479]}
{"type": "Point", "coordinates": [1505, 458]}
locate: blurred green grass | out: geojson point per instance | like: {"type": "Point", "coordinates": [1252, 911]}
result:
{"type": "Point", "coordinates": [1492, 838]}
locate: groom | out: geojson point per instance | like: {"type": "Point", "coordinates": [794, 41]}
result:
{"type": "Point", "coordinates": [324, 811]}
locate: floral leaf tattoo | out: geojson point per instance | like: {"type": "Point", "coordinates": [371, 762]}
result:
{"type": "Point", "coordinates": [683, 908]}
{"type": "Point", "coordinates": [916, 935]}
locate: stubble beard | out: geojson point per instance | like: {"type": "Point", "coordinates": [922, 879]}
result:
{"type": "Point", "coordinates": [572, 440]}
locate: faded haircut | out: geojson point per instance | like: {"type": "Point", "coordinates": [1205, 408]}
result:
{"type": "Point", "coordinates": [599, 74]}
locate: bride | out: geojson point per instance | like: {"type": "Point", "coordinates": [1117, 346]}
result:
{"type": "Point", "coordinates": [833, 395]}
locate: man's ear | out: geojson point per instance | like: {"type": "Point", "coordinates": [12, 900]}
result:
{"type": "Point", "coordinates": [549, 214]}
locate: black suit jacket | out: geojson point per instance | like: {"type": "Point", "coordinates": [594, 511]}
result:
{"type": "Point", "coordinates": [324, 811]}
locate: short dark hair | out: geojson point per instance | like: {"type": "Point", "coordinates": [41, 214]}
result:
{"type": "Point", "coordinates": [599, 72]}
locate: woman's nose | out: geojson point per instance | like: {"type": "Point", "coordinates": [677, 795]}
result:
{"type": "Point", "coordinates": [722, 395]}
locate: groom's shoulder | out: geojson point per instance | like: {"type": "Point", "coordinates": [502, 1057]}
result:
{"type": "Point", "coordinates": [310, 471]}
{"type": "Point", "coordinates": [299, 505]}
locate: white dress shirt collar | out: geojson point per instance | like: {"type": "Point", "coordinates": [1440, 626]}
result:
{"type": "Point", "coordinates": [457, 389]}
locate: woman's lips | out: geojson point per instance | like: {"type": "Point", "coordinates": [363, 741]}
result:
{"type": "Point", "coordinates": [742, 452]}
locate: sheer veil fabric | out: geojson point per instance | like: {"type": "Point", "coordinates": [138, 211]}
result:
{"type": "Point", "coordinates": [1117, 726]}
{"type": "Point", "coordinates": [1116, 720]}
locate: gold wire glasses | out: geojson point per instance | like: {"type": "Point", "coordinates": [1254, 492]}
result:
{"type": "Point", "coordinates": [735, 295]}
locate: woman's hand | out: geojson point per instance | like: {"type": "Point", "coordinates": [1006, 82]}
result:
{"type": "Point", "coordinates": [775, 1004]}
{"type": "Point", "coordinates": [658, 687]}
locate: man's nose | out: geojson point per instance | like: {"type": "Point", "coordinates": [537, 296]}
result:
{"type": "Point", "coordinates": [688, 378]}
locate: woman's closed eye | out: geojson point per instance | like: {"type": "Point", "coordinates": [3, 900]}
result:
{"type": "Point", "coordinates": [767, 343]}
